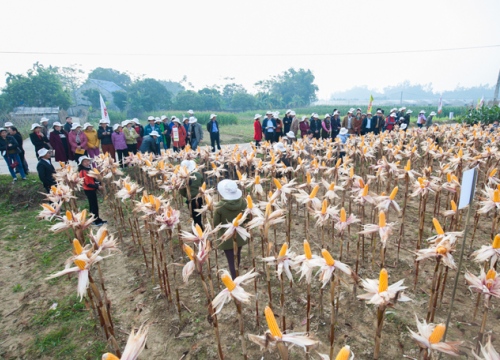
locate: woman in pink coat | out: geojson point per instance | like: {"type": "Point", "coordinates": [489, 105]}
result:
{"type": "Point", "coordinates": [77, 141]}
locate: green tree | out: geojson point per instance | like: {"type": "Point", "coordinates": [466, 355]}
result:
{"type": "Point", "coordinates": [188, 100]}
{"type": "Point", "coordinates": [92, 95]}
{"type": "Point", "coordinates": [39, 87]}
{"type": "Point", "coordinates": [211, 97]}
{"type": "Point", "coordinates": [242, 101]}
{"type": "Point", "coordinates": [172, 86]}
{"type": "Point", "coordinates": [286, 88]}
{"type": "Point", "coordinates": [120, 99]}
{"type": "Point", "coordinates": [107, 74]}
{"type": "Point", "coordinates": [148, 95]}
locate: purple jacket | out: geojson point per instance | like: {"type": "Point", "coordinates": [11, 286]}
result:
{"type": "Point", "coordinates": [118, 139]}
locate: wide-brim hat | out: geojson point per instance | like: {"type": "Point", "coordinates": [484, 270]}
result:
{"type": "Point", "coordinates": [190, 112]}
{"type": "Point", "coordinates": [269, 112]}
{"type": "Point", "coordinates": [154, 133]}
{"type": "Point", "coordinates": [327, 116]}
{"type": "Point", "coordinates": [290, 134]}
{"type": "Point", "coordinates": [126, 122]}
{"type": "Point", "coordinates": [229, 190]}
{"type": "Point", "coordinates": [163, 117]}
{"type": "Point", "coordinates": [80, 160]}
{"type": "Point", "coordinates": [288, 111]}
{"type": "Point", "coordinates": [57, 123]}
{"type": "Point", "coordinates": [422, 112]}
{"type": "Point", "coordinates": [336, 113]}
{"type": "Point", "coordinates": [44, 119]}
{"type": "Point", "coordinates": [303, 118]}
{"type": "Point", "coordinates": [189, 164]}
{"type": "Point", "coordinates": [212, 116]}
{"type": "Point", "coordinates": [369, 113]}
{"type": "Point", "coordinates": [192, 120]}
{"type": "Point", "coordinates": [104, 121]}
{"type": "Point", "coordinates": [151, 118]}
{"type": "Point", "coordinates": [34, 126]}
{"type": "Point", "coordinates": [42, 152]}
{"type": "Point", "coordinates": [409, 112]}
{"type": "Point", "coordinates": [292, 113]}
{"type": "Point", "coordinates": [75, 126]}
{"type": "Point", "coordinates": [136, 120]}
{"type": "Point", "coordinates": [86, 125]}
{"type": "Point", "coordinates": [343, 131]}
{"type": "Point", "coordinates": [257, 116]}
{"type": "Point", "coordinates": [379, 111]}
{"type": "Point", "coordinates": [432, 113]}
{"type": "Point", "coordinates": [8, 124]}
{"type": "Point", "coordinates": [116, 126]}
{"type": "Point", "coordinates": [279, 147]}
{"type": "Point", "coordinates": [177, 121]}
{"type": "Point", "coordinates": [403, 126]}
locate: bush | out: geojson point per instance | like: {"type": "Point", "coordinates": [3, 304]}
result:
{"type": "Point", "coordinates": [485, 115]}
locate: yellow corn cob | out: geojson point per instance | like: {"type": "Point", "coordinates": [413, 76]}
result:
{"type": "Point", "coordinates": [273, 159]}
{"type": "Point", "coordinates": [383, 282]}
{"type": "Point", "coordinates": [343, 216]}
{"type": "Point", "coordinates": [365, 190]}
{"type": "Point", "coordinates": [496, 242]}
{"type": "Point", "coordinates": [421, 182]}
{"type": "Point", "coordinates": [491, 274]}
{"type": "Point", "coordinates": [324, 206]}
{"type": "Point", "coordinates": [213, 165]}
{"type": "Point", "coordinates": [307, 250]}
{"type": "Point", "coordinates": [283, 250]}
{"type": "Point", "coordinates": [83, 215]}
{"type": "Point", "coordinates": [381, 219]}
{"type": "Point", "coordinates": [48, 207]}
{"type": "Point", "coordinates": [314, 192]}
{"type": "Point", "coordinates": [271, 323]}
{"type": "Point", "coordinates": [80, 263]}
{"type": "Point", "coordinates": [299, 160]}
{"type": "Point", "coordinates": [257, 179]}
{"type": "Point", "coordinates": [323, 163]}
{"type": "Point", "coordinates": [188, 250]}
{"type": "Point", "coordinates": [441, 250]}
{"type": "Point", "coordinates": [496, 196]}
{"type": "Point", "coordinates": [151, 199]}
{"type": "Point", "coordinates": [157, 204]}
{"type": "Point", "coordinates": [77, 246]}
{"type": "Point", "coordinates": [268, 210]}
{"type": "Point", "coordinates": [204, 186]}
{"type": "Point", "coordinates": [103, 236]}
{"type": "Point", "coordinates": [308, 177]}
{"type": "Point", "coordinates": [361, 183]}
{"type": "Point", "coordinates": [270, 194]}
{"type": "Point", "coordinates": [331, 187]}
{"type": "Point", "coordinates": [448, 177]}
{"type": "Point", "coordinates": [199, 232]}
{"type": "Point", "coordinates": [460, 153]}
{"type": "Point", "coordinates": [69, 215]}
{"type": "Point", "coordinates": [493, 172]}
{"type": "Point", "coordinates": [226, 279]}
{"type": "Point", "coordinates": [328, 257]}
{"type": "Point", "coordinates": [53, 188]}
{"type": "Point", "coordinates": [453, 205]}
{"type": "Point", "coordinates": [249, 202]}
{"type": "Point", "coordinates": [394, 193]}
{"type": "Point", "coordinates": [109, 356]}
{"type": "Point", "coordinates": [239, 174]}
{"type": "Point", "coordinates": [351, 173]}
{"type": "Point", "coordinates": [344, 353]}
{"type": "Point", "coordinates": [437, 334]}
{"type": "Point", "coordinates": [236, 222]}
{"type": "Point", "coordinates": [438, 227]}
{"type": "Point", "coordinates": [147, 162]}
{"type": "Point", "coordinates": [277, 183]}
{"type": "Point", "coordinates": [339, 161]}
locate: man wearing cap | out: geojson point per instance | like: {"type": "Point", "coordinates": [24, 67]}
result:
{"type": "Point", "coordinates": [213, 130]}
{"type": "Point", "coordinates": [151, 126]}
{"type": "Point", "coordinates": [269, 125]}
{"type": "Point", "coordinates": [335, 123]}
{"type": "Point", "coordinates": [195, 132]}
{"type": "Point", "coordinates": [347, 121]}
{"type": "Point", "coordinates": [45, 169]}
{"type": "Point", "coordinates": [45, 127]}
{"type": "Point", "coordinates": [104, 134]}
{"type": "Point", "coordinates": [368, 125]}
{"type": "Point", "coordinates": [68, 124]}
{"type": "Point", "coordinates": [149, 143]}
{"type": "Point", "coordinates": [379, 121]}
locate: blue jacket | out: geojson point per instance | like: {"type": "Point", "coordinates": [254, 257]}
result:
{"type": "Point", "coordinates": [148, 144]}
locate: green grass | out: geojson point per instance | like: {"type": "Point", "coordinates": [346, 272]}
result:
{"type": "Point", "coordinates": [17, 288]}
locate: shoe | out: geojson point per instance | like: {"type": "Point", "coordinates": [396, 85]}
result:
{"type": "Point", "coordinates": [24, 178]}
{"type": "Point", "coordinates": [98, 223]}
{"type": "Point", "coordinates": [14, 179]}
{"type": "Point", "coordinates": [104, 222]}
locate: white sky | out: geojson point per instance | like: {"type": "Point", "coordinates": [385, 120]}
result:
{"type": "Point", "coordinates": [252, 40]}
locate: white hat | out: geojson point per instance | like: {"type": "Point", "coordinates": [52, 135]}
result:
{"type": "Point", "coordinates": [44, 119]}
{"type": "Point", "coordinates": [257, 116]}
{"type": "Point", "coordinates": [401, 118]}
{"type": "Point", "coordinates": [81, 158]}
{"type": "Point", "coordinates": [303, 118]}
{"type": "Point", "coordinates": [177, 121]}
{"type": "Point", "coordinates": [104, 121]}
{"type": "Point", "coordinates": [379, 111]}
{"type": "Point", "coordinates": [402, 108]}
{"type": "Point", "coordinates": [343, 131]}
{"type": "Point", "coordinates": [125, 122]}
{"type": "Point", "coordinates": [190, 112]}
{"type": "Point", "coordinates": [192, 120]}
{"type": "Point", "coordinates": [409, 112]}
{"type": "Point", "coordinates": [368, 113]}
{"type": "Point", "coordinates": [422, 112]}
{"type": "Point", "coordinates": [8, 124]}
{"type": "Point", "coordinates": [279, 146]}
{"type": "Point", "coordinates": [116, 126]}
{"type": "Point", "coordinates": [163, 117]}
{"type": "Point", "coordinates": [136, 120]}
{"type": "Point", "coordinates": [288, 111]}
{"type": "Point", "coordinates": [151, 118]}
{"type": "Point", "coordinates": [189, 164]}
{"type": "Point", "coordinates": [229, 190]}
{"type": "Point", "coordinates": [432, 113]}
{"type": "Point", "coordinates": [290, 134]}
{"type": "Point", "coordinates": [185, 118]}
{"type": "Point", "coordinates": [276, 114]}
{"type": "Point", "coordinates": [154, 133]}
{"type": "Point", "coordinates": [42, 152]}
{"type": "Point", "coordinates": [57, 123]}
{"type": "Point", "coordinates": [351, 110]}
{"type": "Point", "coordinates": [86, 125]}
{"type": "Point", "coordinates": [157, 120]}
{"type": "Point", "coordinates": [75, 126]}
{"type": "Point", "coordinates": [394, 109]}
{"type": "Point", "coordinates": [34, 126]}
{"type": "Point", "coordinates": [269, 112]}
{"type": "Point", "coordinates": [393, 114]}
{"type": "Point", "coordinates": [336, 112]}
{"type": "Point", "coordinates": [292, 113]}
{"type": "Point", "coordinates": [327, 116]}
{"type": "Point", "coordinates": [2, 129]}
{"type": "Point", "coordinates": [316, 116]}
{"type": "Point", "coordinates": [403, 126]}
{"type": "Point", "coordinates": [172, 117]}
{"type": "Point", "coordinates": [212, 116]}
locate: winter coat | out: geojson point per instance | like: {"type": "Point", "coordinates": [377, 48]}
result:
{"type": "Point", "coordinates": [89, 182]}
{"type": "Point", "coordinates": [9, 145]}
{"type": "Point", "coordinates": [119, 141]}
{"type": "Point", "coordinates": [72, 141]}
{"type": "Point", "coordinates": [364, 126]}
{"type": "Point", "coordinates": [92, 139]}
{"type": "Point", "coordinates": [46, 171]}
{"type": "Point", "coordinates": [59, 142]}
{"type": "Point", "coordinates": [148, 145]}
{"type": "Point", "coordinates": [356, 125]}
{"type": "Point", "coordinates": [182, 137]}
{"type": "Point", "coordinates": [326, 129]}
{"type": "Point", "coordinates": [130, 135]}
{"type": "Point", "coordinates": [194, 185]}
{"type": "Point", "coordinates": [295, 126]}
{"type": "Point", "coordinates": [39, 142]}
{"type": "Point", "coordinates": [210, 126]}
{"type": "Point", "coordinates": [197, 130]}
{"type": "Point", "coordinates": [105, 139]}
{"type": "Point", "coordinates": [287, 122]}
{"type": "Point", "coordinates": [257, 130]}
{"type": "Point", "coordinates": [316, 126]}
{"type": "Point", "coordinates": [304, 128]}
{"type": "Point", "coordinates": [148, 129]}
{"type": "Point", "coordinates": [336, 125]}
{"type": "Point", "coordinates": [226, 211]}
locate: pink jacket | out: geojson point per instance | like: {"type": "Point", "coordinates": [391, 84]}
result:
{"type": "Point", "coordinates": [72, 140]}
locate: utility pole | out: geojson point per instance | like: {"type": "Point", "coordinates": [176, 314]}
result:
{"type": "Point", "coordinates": [495, 97]}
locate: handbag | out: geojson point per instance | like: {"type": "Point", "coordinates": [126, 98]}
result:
{"type": "Point", "coordinates": [80, 151]}
{"type": "Point", "coordinates": [14, 164]}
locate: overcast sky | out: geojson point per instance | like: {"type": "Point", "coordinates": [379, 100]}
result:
{"type": "Point", "coordinates": [249, 41]}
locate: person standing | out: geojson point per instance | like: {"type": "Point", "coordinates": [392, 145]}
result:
{"type": "Point", "coordinates": [139, 129]}
{"type": "Point", "coordinates": [347, 121]}
{"type": "Point", "coordinates": [10, 152]}
{"type": "Point", "coordinates": [421, 120]}
{"type": "Point", "coordinates": [93, 141]}
{"type": "Point", "coordinates": [165, 131]}
{"type": "Point", "coordinates": [326, 127]}
{"type": "Point", "coordinates": [195, 182]}
{"type": "Point", "coordinates": [178, 135]}
{"type": "Point", "coordinates": [17, 135]}
{"type": "Point", "coordinates": [45, 169]}
{"type": "Point", "coordinates": [104, 134]}
{"type": "Point", "coordinates": [151, 126]}
{"type": "Point", "coordinates": [407, 117]}
{"type": "Point", "coordinates": [304, 127]}
{"type": "Point", "coordinates": [357, 122]}
{"type": "Point", "coordinates": [77, 141]}
{"type": "Point", "coordinates": [213, 130]}
{"type": "Point", "coordinates": [379, 121]}
{"type": "Point", "coordinates": [150, 143]}
{"type": "Point", "coordinates": [119, 143]}
{"type": "Point", "coordinates": [336, 125]}
{"type": "Point", "coordinates": [44, 122]}
{"type": "Point", "coordinates": [37, 138]}
{"type": "Point", "coordinates": [269, 125]}
{"type": "Point", "coordinates": [131, 136]}
{"type": "Point", "coordinates": [90, 187]}
{"type": "Point", "coordinates": [278, 133]}
{"type": "Point", "coordinates": [257, 130]}
{"type": "Point", "coordinates": [368, 125]}
{"type": "Point", "coordinates": [390, 122]}
{"type": "Point", "coordinates": [287, 121]}
{"type": "Point", "coordinates": [186, 125]}
{"type": "Point", "coordinates": [226, 210]}
{"type": "Point", "coordinates": [315, 126]}
{"type": "Point", "coordinates": [195, 132]}
{"type": "Point", "coordinates": [59, 142]}
{"type": "Point", "coordinates": [428, 123]}
{"type": "Point", "coordinates": [68, 125]}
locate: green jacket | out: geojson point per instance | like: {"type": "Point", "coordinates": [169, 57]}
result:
{"type": "Point", "coordinates": [225, 212]}
{"type": "Point", "coordinates": [194, 185]}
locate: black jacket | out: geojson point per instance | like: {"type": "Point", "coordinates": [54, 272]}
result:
{"type": "Point", "coordinates": [210, 126]}
{"type": "Point", "coordinates": [45, 172]}
{"type": "Point", "coordinates": [373, 122]}
{"type": "Point", "coordinates": [67, 127]}
{"type": "Point", "coordinates": [39, 142]}
{"type": "Point", "coordinates": [105, 139]}
{"type": "Point", "coordinates": [315, 125]}
{"type": "Point", "coordinates": [148, 145]}
{"type": "Point", "coordinates": [9, 145]}
{"type": "Point", "coordinates": [287, 122]}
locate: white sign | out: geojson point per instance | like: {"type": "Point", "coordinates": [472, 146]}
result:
{"type": "Point", "coordinates": [468, 187]}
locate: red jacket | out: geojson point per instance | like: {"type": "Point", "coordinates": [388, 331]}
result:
{"type": "Point", "coordinates": [182, 137]}
{"type": "Point", "coordinates": [88, 182]}
{"type": "Point", "coordinates": [257, 130]}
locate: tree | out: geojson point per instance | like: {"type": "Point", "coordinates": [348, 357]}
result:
{"type": "Point", "coordinates": [119, 78]}
{"type": "Point", "coordinates": [120, 99]}
{"type": "Point", "coordinates": [92, 95]}
{"type": "Point", "coordinates": [172, 86]}
{"type": "Point", "coordinates": [211, 97]}
{"type": "Point", "coordinates": [148, 95]}
{"type": "Point", "coordinates": [286, 87]}
{"type": "Point", "coordinates": [38, 88]}
{"type": "Point", "coordinates": [242, 101]}
{"type": "Point", "coordinates": [188, 100]}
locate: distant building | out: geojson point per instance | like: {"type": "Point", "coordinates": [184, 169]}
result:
{"type": "Point", "coordinates": [22, 115]}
